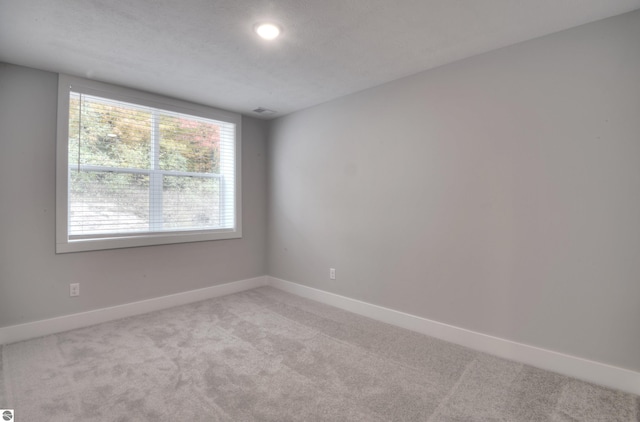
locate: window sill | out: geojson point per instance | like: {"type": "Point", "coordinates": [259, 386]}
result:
{"type": "Point", "coordinates": [134, 241]}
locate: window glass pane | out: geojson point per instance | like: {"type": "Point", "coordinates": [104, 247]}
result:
{"type": "Point", "coordinates": [108, 133]}
{"type": "Point", "coordinates": [189, 144]}
{"type": "Point", "coordinates": [191, 202]}
{"type": "Point", "coordinates": [143, 171]}
{"type": "Point", "coordinates": [106, 202]}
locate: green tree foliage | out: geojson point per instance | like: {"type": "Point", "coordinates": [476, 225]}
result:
{"type": "Point", "coordinates": [109, 134]}
{"type": "Point", "coordinates": [189, 145]}
{"type": "Point", "coordinates": [105, 134]}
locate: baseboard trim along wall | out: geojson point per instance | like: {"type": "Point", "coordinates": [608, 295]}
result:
{"type": "Point", "coordinates": [45, 327]}
{"type": "Point", "coordinates": [584, 369]}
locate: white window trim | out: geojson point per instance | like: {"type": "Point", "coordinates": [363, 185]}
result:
{"type": "Point", "coordinates": [63, 244]}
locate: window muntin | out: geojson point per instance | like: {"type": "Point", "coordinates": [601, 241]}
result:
{"type": "Point", "coordinates": [142, 170]}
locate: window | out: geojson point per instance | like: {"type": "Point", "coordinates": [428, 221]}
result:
{"type": "Point", "coordinates": [137, 169]}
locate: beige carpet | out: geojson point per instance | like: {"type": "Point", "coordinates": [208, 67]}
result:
{"type": "Point", "coordinates": [265, 355]}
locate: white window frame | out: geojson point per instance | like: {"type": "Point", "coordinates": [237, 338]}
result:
{"type": "Point", "coordinates": [64, 244]}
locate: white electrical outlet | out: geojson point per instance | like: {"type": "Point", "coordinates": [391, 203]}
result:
{"type": "Point", "coordinates": [74, 289]}
{"type": "Point", "coordinates": [332, 273]}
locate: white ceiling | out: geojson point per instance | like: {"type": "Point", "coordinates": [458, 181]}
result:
{"type": "Point", "coordinates": [205, 50]}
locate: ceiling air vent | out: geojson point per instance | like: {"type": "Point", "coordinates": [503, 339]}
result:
{"type": "Point", "coordinates": [264, 111]}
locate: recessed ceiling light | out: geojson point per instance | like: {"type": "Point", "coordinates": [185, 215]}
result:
{"type": "Point", "coordinates": [268, 31]}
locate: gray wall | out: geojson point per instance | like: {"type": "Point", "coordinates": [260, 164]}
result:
{"type": "Point", "coordinates": [500, 193]}
{"type": "Point", "coordinates": [34, 281]}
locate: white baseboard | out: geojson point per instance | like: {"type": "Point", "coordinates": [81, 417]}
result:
{"type": "Point", "coordinates": [45, 327]}
{"type": "Point", "coordinates": [584, 369]}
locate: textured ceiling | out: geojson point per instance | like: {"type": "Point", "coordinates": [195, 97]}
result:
{"type": "Point", "coordinates": [205, 50]}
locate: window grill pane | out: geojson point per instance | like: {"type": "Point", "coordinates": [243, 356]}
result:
{"type": "Point", "coordinates": [189, 144]}
{"type": "Point", "coordinates": [191, 202]}
{"type": "Point", "coordinates": [107, 202]}
{"type": "Point", "coordinates": [108, 133]}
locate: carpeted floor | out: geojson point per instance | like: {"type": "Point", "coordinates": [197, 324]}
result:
{"type": "Point", "coordinates": [265, 355]}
